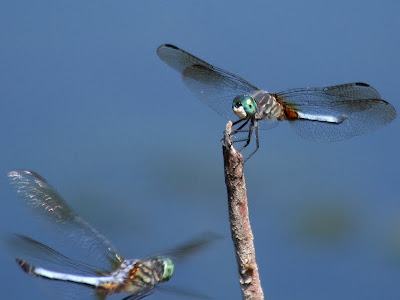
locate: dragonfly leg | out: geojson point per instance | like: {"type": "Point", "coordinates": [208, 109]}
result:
{"type": "Point", "coordinates": [248, 138]}
{"type": "Point", "coordinates": [257, 141]}
{"type": "Point", "coordinates": [240, 127]}
{"type": "Point", "coordinates": [250, 133]}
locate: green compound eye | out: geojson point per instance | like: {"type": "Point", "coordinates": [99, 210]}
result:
{"type": "Point", "coordinates": [249, 105]}
{"type": "Point", "coordinates": [168, 268]}
{"type": "Point", "coordinates": [244, 106]}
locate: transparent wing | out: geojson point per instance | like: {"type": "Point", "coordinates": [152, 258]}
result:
{"type": "Point", "coordinates": [358, 104]}
{"type": "Point", "coordinates": [268, 124]}
{"type": "Point", "coordinates": [140, 294]}
{"type": "Point", "coordinates": [176, 292]}
{"type": "Point", "coordinates": [191, 247]}
{"type": "Point", "coordinates": [213, 86]}
{"type": "Point", "coordinates": [40, 255]}
{"type": "Point", "coordinates": [178, 254]}
{"type": "Point", "coordinates": [37, 254]}
{"type": "Point", "coordinates": [48, 204]}
{"type": "Point", "coordinates": [183, 293]}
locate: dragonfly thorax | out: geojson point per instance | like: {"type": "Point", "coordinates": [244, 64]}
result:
{"type": "Point", "coordinates": [157, 269]}
{"type": "Point", "coordinates": [269, 108]}
{"type": "Point", "coordinates": [244, 107]}
{"type": "Point", "coordinates": [134, 274]}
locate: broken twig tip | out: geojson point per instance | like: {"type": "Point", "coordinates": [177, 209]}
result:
{"type": "Point", "coordinates": [227, 135]}
{"type": "Point", "coordinates": [228, 128]}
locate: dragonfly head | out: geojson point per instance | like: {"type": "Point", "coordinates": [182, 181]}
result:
{"type": "Point", "coordinates": [168, 267]}
{"type": "Point", "coordinates": [244, 107]}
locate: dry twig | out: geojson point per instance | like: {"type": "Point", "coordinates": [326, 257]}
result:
{"type": "Point", "coordinates": [241, 232]}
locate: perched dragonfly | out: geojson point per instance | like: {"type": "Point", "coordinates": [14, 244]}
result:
{"type": "Point", "coordinates": [138, 277]}
{"type": "Point", "coordinates": [320, 114]}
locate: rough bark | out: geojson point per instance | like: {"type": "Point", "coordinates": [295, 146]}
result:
{"type": "Point", "coordinates": [241, 232]}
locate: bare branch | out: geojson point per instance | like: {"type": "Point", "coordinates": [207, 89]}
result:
{"type": "Point", "coordinates": [241, 232]}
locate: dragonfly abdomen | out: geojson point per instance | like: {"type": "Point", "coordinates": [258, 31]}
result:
{"type": "Point", "coordinates": [91, 281]}
{"type": "Point", "coordinates": [291, 113]}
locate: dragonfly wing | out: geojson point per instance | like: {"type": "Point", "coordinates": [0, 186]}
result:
{"type": "Point", "coordinates": [177, 292]}
{"type": "Point", "coordinates": [142, 293]}
{"type": "Point", "coordinates": [183, 293]}
{"type": "Point", "coordinates": [191, 247]}
{"type": "Point", "coordinates": [267, 124]}
{"type": "Point", "coordinates": [36, 253]}
{"type": "Point", "coordinates": [43, 200]}
{"type": "Point", "coordinates": [213, 86]}
{"type": "Point", "coordinates": [354, 109]}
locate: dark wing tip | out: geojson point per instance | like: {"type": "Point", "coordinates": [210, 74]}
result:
{"type": "Point", "coordinates": [24, 265]}
{"type": "Point", "coordinates": [170, 46]}
{"type": "Point", "coordinates": [362, 84]}
{"type": "Point", "coordinates": [167, 46]}
{"type": "Point", "coordinates": [20, 261]}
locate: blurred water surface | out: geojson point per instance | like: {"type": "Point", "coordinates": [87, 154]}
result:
{"type": "Point", "coordinates": [87, 103]}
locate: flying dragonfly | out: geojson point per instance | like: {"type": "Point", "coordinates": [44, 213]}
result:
{"type": "Point", "coordinates": [320, 114]}
{"type": "Point", "coordinates": [138, 277]}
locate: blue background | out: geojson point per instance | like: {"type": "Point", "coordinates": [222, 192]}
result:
{"type": "Point", "coordinates": [87, 103]}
